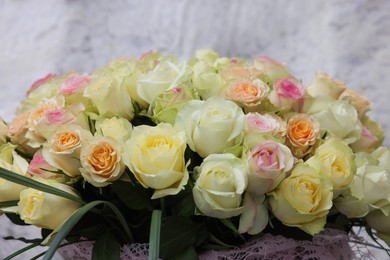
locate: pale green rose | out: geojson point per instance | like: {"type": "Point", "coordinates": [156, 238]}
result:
{"type": "Point", "coordinates": [255, 216]}
{"type": "Point", "coordinates": [368, 191]}
{"type": "Point", "coordinates": [170, 102]}
{"type": "Point", "coordinates": [46, 210]}
{"type": "Point", "coordinates": [303, 199]}
{"type": "Point", "coordinates": [337, 162]}
{"type": "Point", "coordinates": [101, 161]}
{"type": "Point", "coordinates": [273, 69]}
{"type": "Point", "coordinates": [13, 162]}
{"type": "Point", "coordinates": [323, 85]}
{"type": "Point", "coordinates": [338, 118]}
{"type": "Point", "coordinates": [110, 97]}
{"type": "Point", "coordinates": [167, 75]}
{"type": "Point", "coordinates": [220, 184]}
{"type": "Point", "coordinates": [206, 80]}
{"type": "Point", "coordinates": [62, 149]}
{"type": "Point", "coordinates": [118, 128]}
{"type": "Point", "coordinates": [155, 155]}
{"type": "Point", "coordinates": [208, 55]}
{"type": "Point", "coordinates": [211, 126]}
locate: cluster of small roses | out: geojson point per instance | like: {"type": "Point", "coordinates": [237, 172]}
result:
{"type": "Point", "coordinates": [267, 144]}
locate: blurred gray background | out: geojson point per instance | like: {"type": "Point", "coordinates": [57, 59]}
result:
{"type": "Point", "coordinates": [348, 39]}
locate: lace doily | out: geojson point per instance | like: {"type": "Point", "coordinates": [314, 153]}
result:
{"type": "Point", "coordinates": [330, 244]}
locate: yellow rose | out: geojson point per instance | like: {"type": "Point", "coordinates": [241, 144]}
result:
{"type": "Point", "coordinates": [155, 155]}
{"type": "Point", "coordinates": [101, 159]}
{"type": "Point", "coordinates": [62, 150]}
{"type": "Point", "coordinates": [303, 199]}
{"type": "Point", "coordinates": [46, 210]}
{"type": "Point", "coordinates": [13, 162]}
{"type": "Point", "coordinates": [221, 182]}
{"type": "Point", "coordinates": [337, 162]}
{"type": "Point", "coordinates": [118, 128]}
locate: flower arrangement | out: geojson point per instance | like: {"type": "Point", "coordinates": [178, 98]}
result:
{"type": "Point", "coordinates": [200, 155]}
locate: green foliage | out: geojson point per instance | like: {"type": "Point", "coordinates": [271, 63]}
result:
{"type": "Point", "coordinates": [106, 247]}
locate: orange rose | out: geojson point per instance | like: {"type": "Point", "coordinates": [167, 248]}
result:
{"type": "Point", "coordinates": [302, 132]}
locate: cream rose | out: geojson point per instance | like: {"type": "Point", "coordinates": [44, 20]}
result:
{"type": "Point", "coordinates": [211, 126]}
{"type": "Point", "coordinates": [155, 155]}
{"type": "Point", "coordinates": [273, 69]}
{"type": "Point", "coordinates": [206, 80]}
{"type": "Point", "coordinates": [13, 162]}
{"type": "Point", "coordinates": [221, 182]}
{"type": "Point", "coordinates": [168, 74]}
{"type": "Point", "coordinates": [382, 154]}
{"type": "Point", "coordinates": [323, 85]}
{"type": "Point", "coordinates": [101, 161]}
{"type": "Point", "coordinates": [110, 97]}
{"type": "Point", "coordinates": [118, 128]}
{"type": "Point", "coordinates": [3, 131]}
{"type": "Point", "coordinates": [303, 199]}
{"type": "Point", "coordinates": [62, 150]}
{"type": "Point", "coordinates": [46, 210]}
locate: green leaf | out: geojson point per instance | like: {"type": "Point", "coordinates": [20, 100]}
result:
{"type": "Point", "coordinates": [71, 222]}
{"type": "Point", "coordinates": [188, 254]}
{"type": "Point", "coordinates": [106, 247]}
{"type": "Point", "coordinates": [19, 179]}
{"type": "Point", "coordinates": [177, 234]}
{"type": "Point", "coordinates": [24, 249]}
{"type": "Point", "coordinates": [134, 196]}
{"type": "Point", "coordinates": [154, 237]}
{"type": "Point", "coordinates": [6, 204]}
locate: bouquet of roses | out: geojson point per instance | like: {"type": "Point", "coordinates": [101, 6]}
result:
{"type": "Point", "coordinates": [204, 154]}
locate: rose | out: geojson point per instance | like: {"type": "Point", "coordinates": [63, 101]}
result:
{"type": "Point", "coordinates": [3, 131]}
{"type": "Point", "coordinates": [40, 167]}
{"type": "Point", "coordinates": [302, 133]}
{"type": "Point", "coordinates": [256, 123]}
{"type": "Point", "coordinates": [255, 216]}
{"type": "Point", "coordinates": [74, 85]}
{"type": "Point", "coordinates": [118, 128]}
{"type": "Point", "coordinates": [335, 117]}
{"type": "Point", "coordinates": [273, 69]}
{"type": "Point", "coordinates": [101, 161]}
{"type": "Point", "coordinates": [168, 74]}
{"type": "Point", "coordinates": [382, 154]}
{"type": "Point", "coordinates": [46, 210]}
{"type": "Point", "coordinates": [337, 162]}
{"type": "Point", "coordinates": [326, 86]}
{"type": "Point", "coordinates": [40, 82]}
{"type": "Point", "coordinates": [13, 162]}
{"type": "Point", "coordinates": [110, 97]}
{"type": "Point", "coordinates": [206, 80]}
{"type": "Point", "coordinates": [361, 103]}
{"type": "Point", "coordinates": [170, 102]}
{"type": "Point", "coordinates": [155, 155]}
{"type": "Point", "coordinates": [207, 55]}
{"type": "Point", "coordinates": [379, 221]}
{"type": "Point", "coordinates": [248, 93]}
{"type": "Point", "coordinates": [368, 191]}
{"type": "Point", "coordinates": [218, 190]}
{"type": "Point", "coordinates": [366, 143]}
{"type": "Point", "coordinates": [267, 163]}
{"type": "Point", "coordinates": [287, 93]}
{"type": "Point", "coordinates": [62, 150]}
{"type": "Point", "coordinates": [211, 126]}
{"type": "Point", "coordinates": [303, 199]}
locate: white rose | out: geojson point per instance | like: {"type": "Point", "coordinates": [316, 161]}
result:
{"type": "Point", "coordinates": [326, 86]}
{"type": "Point", "coordinates": [211, 126]}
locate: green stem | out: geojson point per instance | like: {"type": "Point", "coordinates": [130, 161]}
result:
{"type": "Point", "coordinates": [154, 236]}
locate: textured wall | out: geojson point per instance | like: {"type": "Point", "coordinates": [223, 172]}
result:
{"type": "Point", "coordinates": [348, 39]}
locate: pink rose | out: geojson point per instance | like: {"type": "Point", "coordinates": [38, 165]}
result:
{"type": "Point", "coordinates": [268, 163]}
{"type": "Point", "coordinates": [264, 124]}
{"type": "Point", "coordinates": [40, 167]}
{"type": "Point", "coordinates": [74, 84]}
{"type": "Point", "coordinates": [367, 143]}
{"type": "Point", "coordinates": [40, 82]}
{"type": "Point", "coordinates": [288, 93]}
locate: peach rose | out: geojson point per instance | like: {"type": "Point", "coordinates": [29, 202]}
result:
{"type": "Point", "coordinates": [101, 160]}
{"type": "Point", "coordinates": [249, 93]}
{"type": "Point", "coordinates": [361, 103]}
{"type": "Point", "coordinates": [302, 133]}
